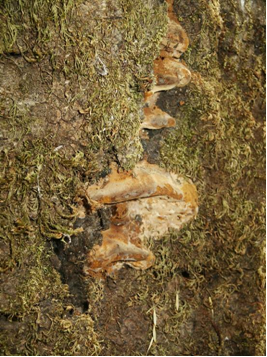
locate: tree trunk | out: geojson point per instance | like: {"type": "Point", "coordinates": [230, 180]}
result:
{"type": "Point", "coordinates": [83, 86]}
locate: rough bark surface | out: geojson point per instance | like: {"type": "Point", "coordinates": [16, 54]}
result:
{"type": "Point", "coordinates": [72, 82]}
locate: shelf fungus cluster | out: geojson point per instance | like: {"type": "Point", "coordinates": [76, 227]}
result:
{"type": "Point", "coordinates": [146, 201]}
{"type": "Point", "coordinates": [169, 71]}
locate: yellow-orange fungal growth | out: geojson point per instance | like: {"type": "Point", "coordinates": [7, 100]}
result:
{"type": "Point", "coordinates": [147, 200]}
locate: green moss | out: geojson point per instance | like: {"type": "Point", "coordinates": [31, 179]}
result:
{"type": "Point", "coordinates": [112, 56]}
{"type": "Point", "coordinates": [120, 93]}
{"type": "Point", "coordinates": [219, 143]}
{"type": "Point", "coordinates": [210, 266]}
{"type": "Point", "coordinates": [106, 59]}
{"type": "Point", "coordinates": [214, 267]}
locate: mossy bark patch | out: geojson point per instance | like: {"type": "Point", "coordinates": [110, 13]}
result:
{"type": "Point", "coordinates": [207, 286]}
{"type": "Point", "coordinates": [72, 81]}
{"type": "Point", "coordinates": [220, 144]}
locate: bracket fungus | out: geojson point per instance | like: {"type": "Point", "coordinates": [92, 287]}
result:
{"type": "Point", "coordinates": [176, 41]}
{"type": "Point", "coordinates": [170, 73]}
{"type": "Point", "coordinates": [146, 201]}
{"type": "Point", "coordinates": [155, 118]}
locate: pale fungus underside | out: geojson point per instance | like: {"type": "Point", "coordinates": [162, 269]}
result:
{"type": "Point", "coordinates": [73, 78]}
{"type": "Point", "coordinates": [146, 202]}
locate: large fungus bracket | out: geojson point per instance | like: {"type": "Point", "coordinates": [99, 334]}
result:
{"type": "Point", "coordinates": [146, 202]}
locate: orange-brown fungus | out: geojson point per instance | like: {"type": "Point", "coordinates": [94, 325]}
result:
{"type": "Point", "coordinates": [146, 201]}
{"type": "Point", "coordinates": [169, 72]}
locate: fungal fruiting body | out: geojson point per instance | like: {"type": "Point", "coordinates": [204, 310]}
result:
{"type": "Point", "coordinates": [176, 41]}
{"type": "Point", "coordinates": [170, 72]}
{"type": "Point", "coordinates": [147, 200]}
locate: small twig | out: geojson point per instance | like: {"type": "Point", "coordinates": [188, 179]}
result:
{"type": "Point", "coordinates": [38, 187]}
{"type": "Point", "coordinates": [58, 148]}
{"type": "Point", "coordinates": [154, 336]}
{"type": "Point", "coordinates": [177, 302]}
